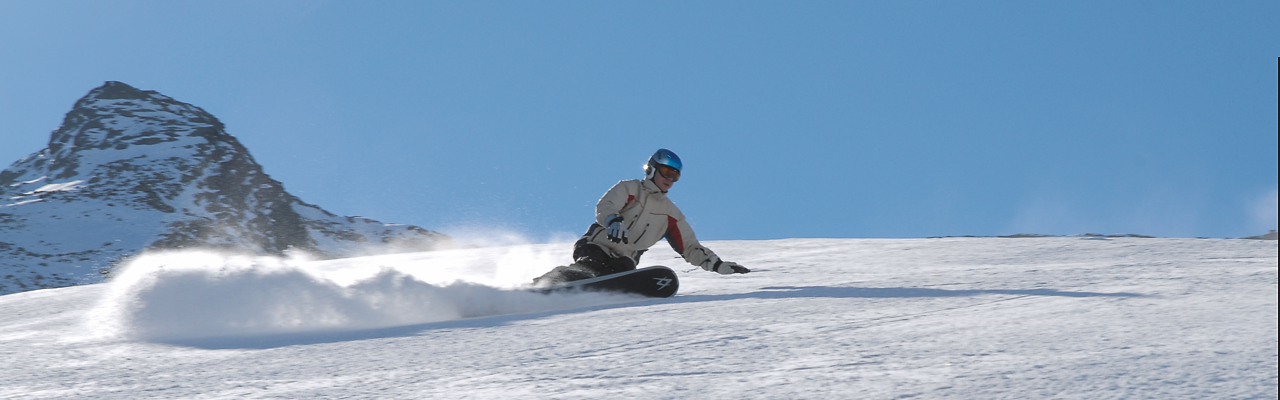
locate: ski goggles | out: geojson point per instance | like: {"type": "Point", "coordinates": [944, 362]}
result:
{"type": "Point", "coordinates": [669, 172]}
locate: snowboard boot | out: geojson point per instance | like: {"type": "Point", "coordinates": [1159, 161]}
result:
{"type": "Point", "coordinates": [564, 274]}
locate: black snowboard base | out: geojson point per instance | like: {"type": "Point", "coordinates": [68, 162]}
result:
{"type": "Point", "coordinates": [656, 281]}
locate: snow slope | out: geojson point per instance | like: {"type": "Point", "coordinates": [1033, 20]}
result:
{"type": "Point", "coordinates": [819, 318]}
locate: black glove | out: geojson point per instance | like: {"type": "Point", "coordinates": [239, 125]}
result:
{"type": "Point", "coordinates": [728, 267]}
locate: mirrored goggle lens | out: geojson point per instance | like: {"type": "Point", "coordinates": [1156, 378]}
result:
{"type": "Point", "coordinates": [668, 172]}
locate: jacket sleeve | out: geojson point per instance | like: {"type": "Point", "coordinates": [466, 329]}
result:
{"type": "Point", "coordinates": [682, 239]}
{"type": "Point", "coordinates": [612, 202]}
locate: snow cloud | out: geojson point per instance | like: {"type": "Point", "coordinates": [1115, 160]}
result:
{"type": "Point", "coordinates": [187, 295]}
{"type": "Point", "coordinates": [1264, 212]}
{"type": "Point", "coordinates": [495, 236]}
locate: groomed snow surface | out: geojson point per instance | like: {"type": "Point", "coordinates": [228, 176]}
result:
{"type": "Point", "coordinates": [956, 318]}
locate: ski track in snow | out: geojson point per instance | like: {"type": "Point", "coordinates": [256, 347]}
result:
{"type": "Point", "coordinates": [818, 318]}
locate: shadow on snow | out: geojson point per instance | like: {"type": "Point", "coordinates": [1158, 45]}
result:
{"type": "Point", "coordinates": [781, 292]}
{"type": "Point", "coordinates": [774, 292]}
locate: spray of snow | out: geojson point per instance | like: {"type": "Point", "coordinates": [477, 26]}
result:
{"type": "Point", "coordinates": [500, 236]}
{"type": "Point", "coordinates": [1263, 212]}
{"type": "Point", "coordinates": [185, 295]}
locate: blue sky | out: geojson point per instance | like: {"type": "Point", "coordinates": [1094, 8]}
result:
{"type": "Point", "coordinates": [794, 119]}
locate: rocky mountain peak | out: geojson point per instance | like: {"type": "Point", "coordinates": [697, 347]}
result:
{"type": "Point", "coordinates": [116, 116]}
{"type": "Point", "coordinates": [132, 170]}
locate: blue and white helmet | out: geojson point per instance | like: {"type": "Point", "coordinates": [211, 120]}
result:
{"type": "Point", "coordinates": [662, 157]}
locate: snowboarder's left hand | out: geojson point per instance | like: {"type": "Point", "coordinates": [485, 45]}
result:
{"type": "Point", "coordinates": [729, 267]}
{"type": "Point", "coordinates": [617, 233]}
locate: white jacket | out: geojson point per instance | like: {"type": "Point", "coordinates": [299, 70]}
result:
{"type": "Point", "coordinates": [649, 216]}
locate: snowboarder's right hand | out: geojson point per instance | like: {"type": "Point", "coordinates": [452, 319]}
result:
{"type": "Point", "coordinates": [730, 267]}
{"type": "Point", "coordinates": [617, 233]}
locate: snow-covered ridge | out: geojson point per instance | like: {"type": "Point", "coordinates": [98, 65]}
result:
{"type": "Point", "coordinates": [56, 187]}
{"type": "Point", "coordinates": [131, 170]}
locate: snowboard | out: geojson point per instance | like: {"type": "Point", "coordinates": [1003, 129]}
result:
{"type": "Point", "coordinates": [656, 281]}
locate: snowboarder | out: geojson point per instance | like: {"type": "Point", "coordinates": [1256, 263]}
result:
{"type": "Point", "coordinates": [631, 217]}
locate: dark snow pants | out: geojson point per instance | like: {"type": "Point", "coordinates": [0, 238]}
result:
{"type": "Point", "coordinates": [589, 261]}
